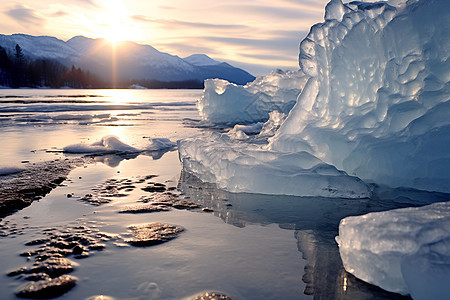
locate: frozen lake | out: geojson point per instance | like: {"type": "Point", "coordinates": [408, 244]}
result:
{"type": "Point", "coordinates": [251, 246]}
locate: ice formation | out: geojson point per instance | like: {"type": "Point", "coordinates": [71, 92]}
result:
{"type": "Point", "coordinates": [243, 168]}
{"type": "Point", "coordinates": [227, 103]}
{"type": "Point", "coordinates": [374, 101]}
{"type": "Point", "coordinates": [158, 144]}
{"type": "Point", "coordinates": [377, 101]}
{"type": "Point", "coordinates": [112, 144]}
{"type": "Point", "coordinates": [108, 144]}
{"type": "Point", "coordinates": [241, 132]}
{"type": "Point", "coordinates": [405, 250]}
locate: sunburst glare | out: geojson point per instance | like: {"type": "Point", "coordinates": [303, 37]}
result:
{"type": "Point", "coordinates": [116, 24]}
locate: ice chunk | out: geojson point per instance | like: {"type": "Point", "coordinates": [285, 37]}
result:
{"type": "Point", "coordinates": [249, 129]}
{"type": "Point", "coordinates": [108, 144]}
{"type": "Point", "coordinates": [158, 144]}
{"type": "Point", "coordinates": [374, 86]}
{"type": "Point", "coordinates": [227, 103]}
{"type": "Point", "coordinates": [335, 9]}
{"type": "Point", "coordinates": [112, 144]}
{"type": "Point", "coordinates": [405, 251]}
{"type": "Point", "coordinates": [270, 127]}
{"type": "Point", "coordinates": [260, 131]}
{"type": "Point", "coordinates": [137, 87]}
{"type": "Point", "coordinates": [377, 102]}
{"type": "Point", "coordinates": [8, 170]}
{"type": "Point", "coordinates": [241, 132]}
{"type": "Point", "coordinates": [427, 272]}
{"type": "Point", "coordinates": [244, 168]}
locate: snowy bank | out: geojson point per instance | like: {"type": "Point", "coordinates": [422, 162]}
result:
{"type": "Point", "coordinates": [374, 82]}
{"type": "Point", "coordinates": [406, 251]}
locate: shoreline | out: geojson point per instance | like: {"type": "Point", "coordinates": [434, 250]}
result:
{"type": "Point", "coordinates": [19, 190]}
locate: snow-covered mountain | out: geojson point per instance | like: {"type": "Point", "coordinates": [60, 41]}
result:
{"type": "Point", "coordinates": [128, 61]}
{"type": "Point", "coordinates": [201, 60]}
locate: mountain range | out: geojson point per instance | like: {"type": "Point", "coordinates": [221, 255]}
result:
{"type": "Point", "coordinates": [127, 60]}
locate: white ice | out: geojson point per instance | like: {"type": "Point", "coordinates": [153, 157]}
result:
{"type": "Point", "coordinates": [377, 101]}
{"type": "Point", "coordinates": [406, 251]}
{"type": "Point", "coordinates": [158, 144]}
{"type": "Point", "coordinates": [112, 144]}
{"type": "Point", "coordinates": [374, 101]}
{"type": "Point", "coordinates": [108, 144]}
{"type": "Point", "coordinates": [241, 132]}
{"type": "Point", "coordinates": [227, 103]}
{"type": "Point", "coordinates": [237, 167]}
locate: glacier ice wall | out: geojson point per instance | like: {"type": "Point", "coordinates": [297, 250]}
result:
{"type": "Point", "coordinates": [404, 250]}
{"type": "Point", "coordinates": [376, 103]}
{"type": "Point", "coordinates": [226, 103]}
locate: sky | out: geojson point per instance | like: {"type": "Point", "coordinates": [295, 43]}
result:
{"type": "Point", "coordinates": [256, 35]}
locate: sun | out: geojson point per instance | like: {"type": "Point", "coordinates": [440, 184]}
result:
{"type": "Point", "coordinates": [119, 32]}
{"type": "Point", "coordinates": [116, 24]}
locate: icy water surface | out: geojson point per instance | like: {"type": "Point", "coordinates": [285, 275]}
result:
{"type": "Point", "coordinates": [246, 246]}
{"type": "Point", "coordinates": [33, 122]}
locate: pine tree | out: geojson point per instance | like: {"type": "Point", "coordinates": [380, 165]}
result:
{"type": "Point", "coordinates": [4, 67]}
{"type": "Point", "coordinates": [19, 54]}
{"type": "Point", "coordinates": [18, 69]}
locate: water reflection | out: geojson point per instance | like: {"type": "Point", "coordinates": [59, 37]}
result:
{"type": "Point", "coordinates": [315, 222]}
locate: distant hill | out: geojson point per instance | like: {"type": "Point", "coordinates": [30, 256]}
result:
{"type": "Point", "coordinates": [132, 61]}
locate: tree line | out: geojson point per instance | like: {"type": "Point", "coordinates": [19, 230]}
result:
{"type": "Point", "coordinates": [17, 71]}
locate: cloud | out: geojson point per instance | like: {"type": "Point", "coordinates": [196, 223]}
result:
{"type": "Point", "coordinates": [280, 45]}
{"type": "Point", "coordinates": [90, 2]}
{"type": "Point", "coordinates": [258, 56]}
{"type": "Point", "coordinates": [24, 15]}
{"type": "Point", "coordinates": [167, 7]}
{"type": "Point", "coordinates": [260, 69]}
{"type": "Point", "coordinates": [314, 5]}
{"type": "Point", "coordinates": [59, 13]}
{"type": "Point", "coordinates": [272, 13]}
{"type": "Point", "coordinates": [179, 23]}
{"type": "Point", "coordinates": [266, 57]}
{"type": "Point", "coordinates": [185, 50]}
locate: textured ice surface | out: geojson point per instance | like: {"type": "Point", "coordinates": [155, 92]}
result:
{"type": "Point", "coordinates": [374, 98]}
{"type": "Point", "coordinates": [227, 103]}
{"type": "Point", "coordinates": [377, 101]}
{"type": "Point", "coordinates": [241, 132]}
{"type": "Point", "coordinates": [405, 250]}
{"type": "Point", "coordinates": [237, 167]}
{"type": "Point", "coordinates": [427, 272]}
